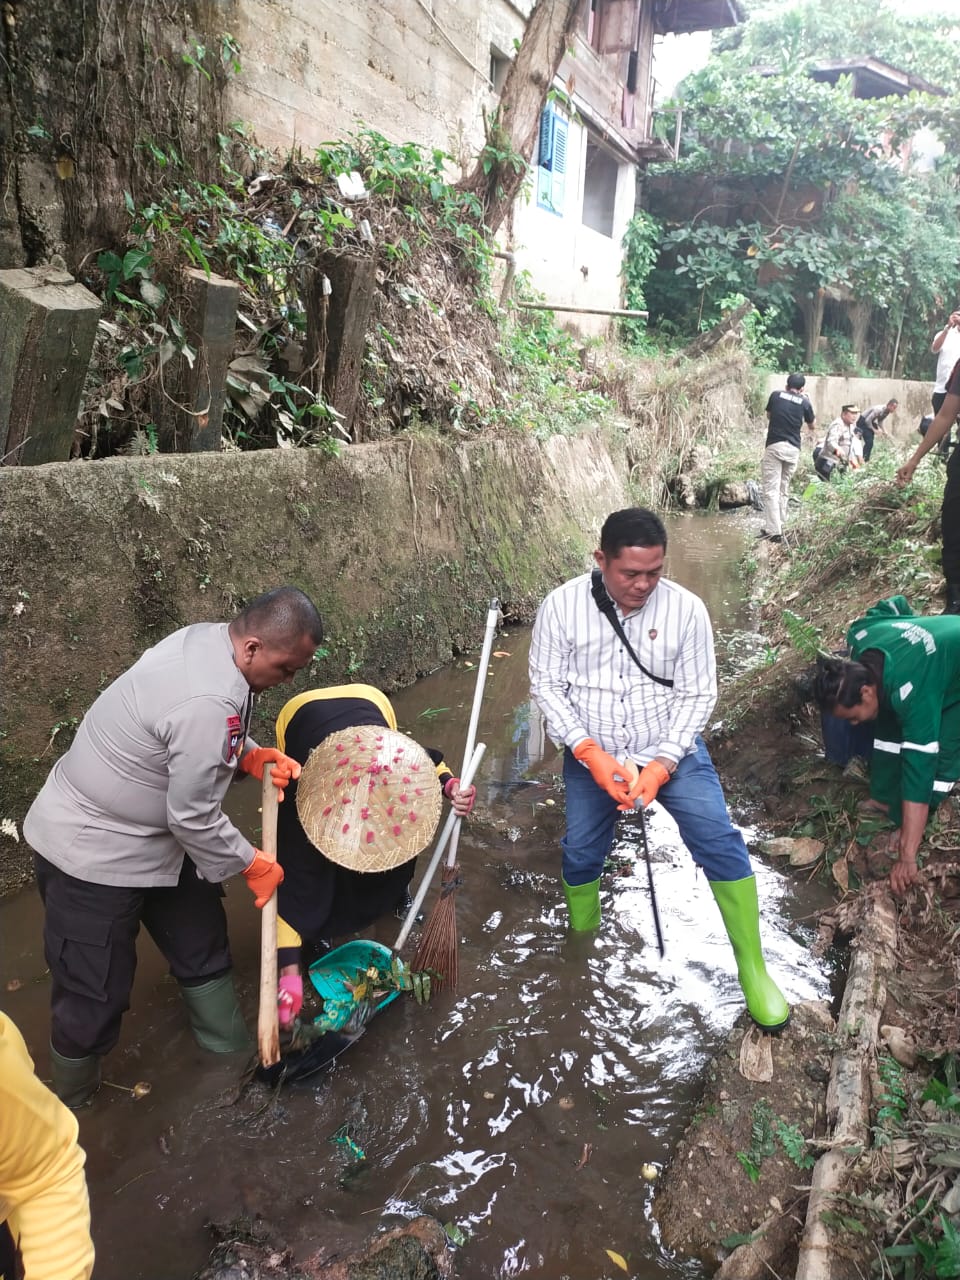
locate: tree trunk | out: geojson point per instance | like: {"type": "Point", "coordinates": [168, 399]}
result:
{"type": "Point", "coordinates": [512, 130]}
{"type": "Point", "coordinates": [707, 341]}
{"type": "Point", "coordinates": [859, 314]}
{"type": "Point", "coordinates": [83, 88]}
{"type": "Point", "coordinates": [812, 309]}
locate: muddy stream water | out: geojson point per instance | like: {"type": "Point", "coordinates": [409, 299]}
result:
{"type": "Point", "coordinates": [519, 1110]}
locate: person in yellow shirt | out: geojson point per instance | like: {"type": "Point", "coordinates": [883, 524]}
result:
{"type": "Point", "coordinates": [43, 1191]}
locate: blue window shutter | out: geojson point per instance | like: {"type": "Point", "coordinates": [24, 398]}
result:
{"type": "Point", "coordinates": [545, 156]}
{"type": "Point", "coordinates": [560, 128]}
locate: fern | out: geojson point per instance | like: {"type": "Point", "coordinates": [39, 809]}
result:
{"type": "Point", "coordinates": [794, 1144]}
{"type": "Point", "coordinates": [804, 636]}
{"type": "Point", "coordinates": [946, 1259]}
{"type": "Point", "coordinates": [761, 1130]}
{"type": "Point", "coordinates": [762, 1141]}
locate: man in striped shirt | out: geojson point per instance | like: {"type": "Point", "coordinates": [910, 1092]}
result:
{"type": "Point", "coordinates": [608, 707]}
{"type": "Point", "coordinates": [904, 674]}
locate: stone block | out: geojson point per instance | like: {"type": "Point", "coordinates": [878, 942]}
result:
{"type": "Point", "coordinates": [49, 323]}
{"type": "Point", "coordinates": [210, 321]}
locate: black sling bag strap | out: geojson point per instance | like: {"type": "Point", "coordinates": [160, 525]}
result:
{"type": "Point", "coordinates": [608, 609]}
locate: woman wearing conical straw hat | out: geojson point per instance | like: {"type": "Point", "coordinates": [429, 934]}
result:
{"type": "Point", "coordinates": [348, 843]}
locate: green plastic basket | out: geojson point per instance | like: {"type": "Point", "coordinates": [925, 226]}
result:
{"type": "Point", "coordinates": [344, 964]}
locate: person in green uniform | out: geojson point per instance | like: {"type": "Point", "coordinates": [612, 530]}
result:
{"type": "Point", "coordinates": [903, 674]}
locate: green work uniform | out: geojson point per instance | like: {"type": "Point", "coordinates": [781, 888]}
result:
{"type": "Point", "coordinates": [916, 749]}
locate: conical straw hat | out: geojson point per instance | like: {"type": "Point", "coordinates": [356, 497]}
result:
{"type": "Point", "coordinates": [369, 798]}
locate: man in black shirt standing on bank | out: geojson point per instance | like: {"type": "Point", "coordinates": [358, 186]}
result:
{"type": "Point", "coordinates": [787, 411]}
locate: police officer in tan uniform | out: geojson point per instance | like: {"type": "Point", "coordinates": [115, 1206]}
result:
{"type": "Point", "coordinates": [128, 829]}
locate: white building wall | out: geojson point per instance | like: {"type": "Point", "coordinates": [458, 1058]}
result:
{"type": "Point", "coordinates": [570, 263]}
{"type": "Point", "coordinates": [315, 70]}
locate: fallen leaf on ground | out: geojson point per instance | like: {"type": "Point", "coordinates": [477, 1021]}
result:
{"type": "Point", "coordinates": [801, 850]}
{"type": "Point", "coordinates": [756, 1056]}
{"type": "Point", "coordinates": [618, 1259]}
{"type": "Point", "coordinates": [902, 1047]}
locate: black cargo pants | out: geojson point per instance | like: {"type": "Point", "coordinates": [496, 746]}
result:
{"type": "Point", "coordinates": [90, 943]}
{"type": "Point", "coordinates": [950, 521]}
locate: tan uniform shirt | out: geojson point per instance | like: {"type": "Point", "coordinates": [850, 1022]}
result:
{"type": "Point", "coordinates": [144, 778]}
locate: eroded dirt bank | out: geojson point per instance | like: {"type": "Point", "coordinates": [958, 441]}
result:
{"type": "Point", "coordinates": [842, 1163]}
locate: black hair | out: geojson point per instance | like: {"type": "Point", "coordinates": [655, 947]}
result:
{"type": "Point", "coordinates": [281, 616]}
{"type": "Point", "coordinates": [840, 682]}
{"type": "Point", "coordinates": [632, 527]}
{"type": "Point", "coordinates": [795, 381]}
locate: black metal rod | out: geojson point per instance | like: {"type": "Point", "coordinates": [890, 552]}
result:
{"type": "Point", "coordinates": [653, 894]}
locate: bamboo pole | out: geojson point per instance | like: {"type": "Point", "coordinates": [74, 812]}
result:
{"type": "Point", "coordinates": [582, 311]}
{"type": "Point", "coordinates": [848, 1093]}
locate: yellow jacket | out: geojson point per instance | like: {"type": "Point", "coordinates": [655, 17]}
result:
{"type": "Point", "coordinates": [43, 1193]}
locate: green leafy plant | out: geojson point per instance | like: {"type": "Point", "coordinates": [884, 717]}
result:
{"type": "Point", "coordinates": [794, 1144]}
{"type": "Point", "coordinates": [641, 244]}
{"type": "Point", "coordinates": [762, 1139]}
{"type": "Point", "coordinates": [892, 1109]}
{"type": "Point", "coordinates": [804, 636]}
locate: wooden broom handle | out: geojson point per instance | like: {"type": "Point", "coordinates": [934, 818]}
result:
{"type": "Point", "coordinates": [268, 1018]}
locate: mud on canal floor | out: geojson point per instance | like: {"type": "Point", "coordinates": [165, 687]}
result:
{"type": "Point", "coordinates": [518, 1113]}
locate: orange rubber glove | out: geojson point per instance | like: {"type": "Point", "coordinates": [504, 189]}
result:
{"type": "Point", "coordinates": [263, 875]}
{"type": "Point", "coordinates": [606, 771]}
{"type": "Point", "coordinates": [645, 785]}
{"type": "Point", "coordinates": [284, 767]}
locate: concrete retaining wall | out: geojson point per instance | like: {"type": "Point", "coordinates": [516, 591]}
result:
{"type": "Point", "coordinates": [828, 394]}
{"type": "Point", "coordinates": [401, 545]}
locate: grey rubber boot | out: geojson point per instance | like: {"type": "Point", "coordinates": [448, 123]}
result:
{"type": "Point", "coordinates": [75, 1080]}
{"type": "Point", "coordinates": [215, 1018]}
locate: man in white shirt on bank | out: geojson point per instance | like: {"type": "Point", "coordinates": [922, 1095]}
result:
{"type": "Point", "coordinates": [946, 347]}
{"type": "Point", "coordinates": [622, 666]}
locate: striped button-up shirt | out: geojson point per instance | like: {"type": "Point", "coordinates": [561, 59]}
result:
{"type": "Point", "coordinates": [587, 685]}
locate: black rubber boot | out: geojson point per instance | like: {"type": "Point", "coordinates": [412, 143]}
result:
{"type": "Point", "coordinates": [75, 1080]}
{"type": "Point", "coordinates": [215, 1018]}
{"type": "Point", "coordinates": [953, 598]}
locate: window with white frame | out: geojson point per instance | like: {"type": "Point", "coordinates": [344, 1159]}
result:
{"type": "Point", "coordinates": [499, 66]}
{"type": "Point", "coordinates": [599, 188]}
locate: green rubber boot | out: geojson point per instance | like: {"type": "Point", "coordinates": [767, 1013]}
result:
{"type": "Point", "coordinates": [737, 900]}
{"type": "Point", "coordinates": [75, 1080]}
{"type": "Point", "coordinates": [583, 904]}
{"type": "Point", "coordinates": [215, 1018]}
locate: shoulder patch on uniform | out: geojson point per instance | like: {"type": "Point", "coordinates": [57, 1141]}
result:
{"type": "Point", "coordinates": [905, 691]}
{"type": "Point", "coordinates": [234, 737]}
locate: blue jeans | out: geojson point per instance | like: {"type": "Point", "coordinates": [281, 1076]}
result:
{"type": "Point", "coordinates": [693, 798]}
